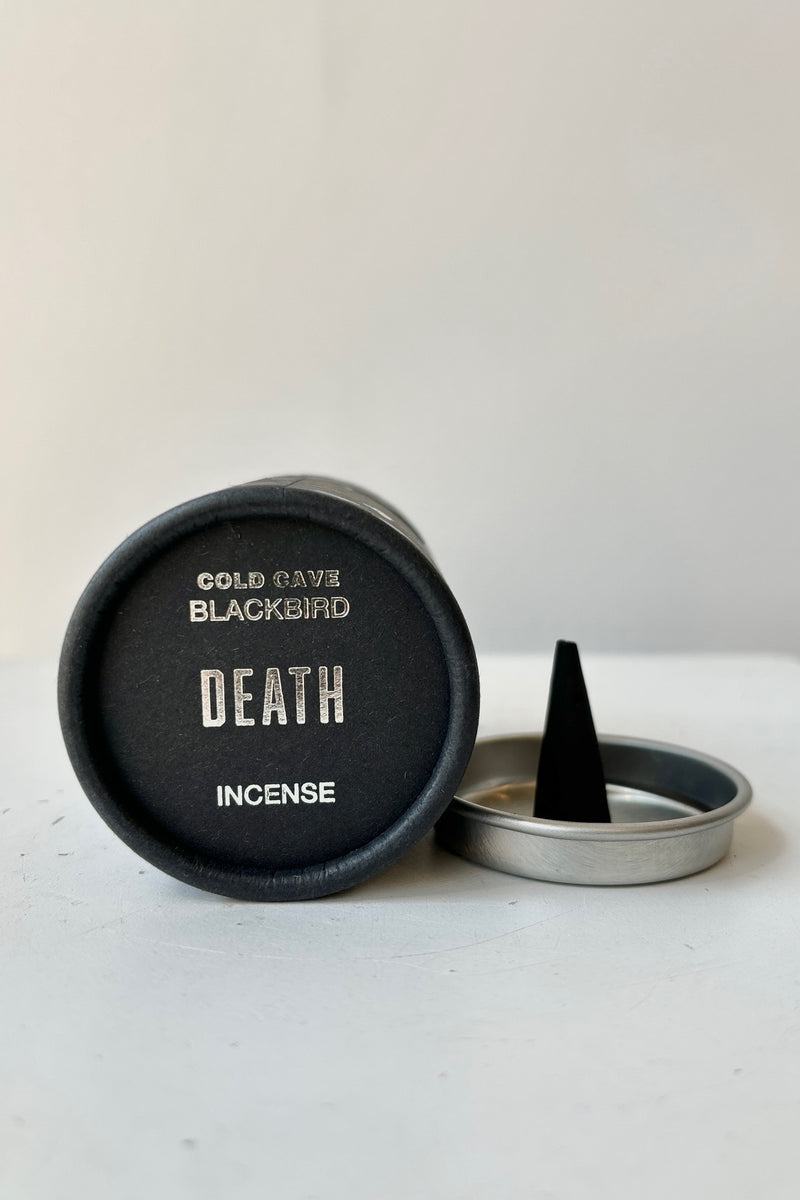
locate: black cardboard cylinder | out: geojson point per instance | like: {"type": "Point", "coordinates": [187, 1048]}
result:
{"type": "Point", "coordinates": [269, 692]}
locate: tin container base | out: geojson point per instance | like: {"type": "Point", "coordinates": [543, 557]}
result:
{"type": "Point", "coordinates": [672, 814]}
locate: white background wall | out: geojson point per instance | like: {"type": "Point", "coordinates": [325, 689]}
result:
{"type": "Point", "coordinates": [528, 269]}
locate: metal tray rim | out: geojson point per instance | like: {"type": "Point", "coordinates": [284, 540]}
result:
{"type": "Point", "coordinates": [620, 831]}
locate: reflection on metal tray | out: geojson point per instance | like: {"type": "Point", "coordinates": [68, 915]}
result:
{"type": "Point", "coordinates": [671, 814]}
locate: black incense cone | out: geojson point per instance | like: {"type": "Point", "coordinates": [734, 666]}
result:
{"type": "Point", "coordinates": [570, 785]}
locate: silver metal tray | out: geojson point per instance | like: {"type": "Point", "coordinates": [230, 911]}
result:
{"type": "Point", "coordinates": [672, 814]}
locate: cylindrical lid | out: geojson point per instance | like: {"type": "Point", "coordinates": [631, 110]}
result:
{"type": "Point", "coordinates": [270, 692]}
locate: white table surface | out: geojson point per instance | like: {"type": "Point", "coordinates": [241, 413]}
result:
{"type": "Point", "coordinates": [441, 1032]}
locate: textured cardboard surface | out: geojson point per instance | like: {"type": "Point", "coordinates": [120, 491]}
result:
{"type": "Point", "coordinates": [270, 692]}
